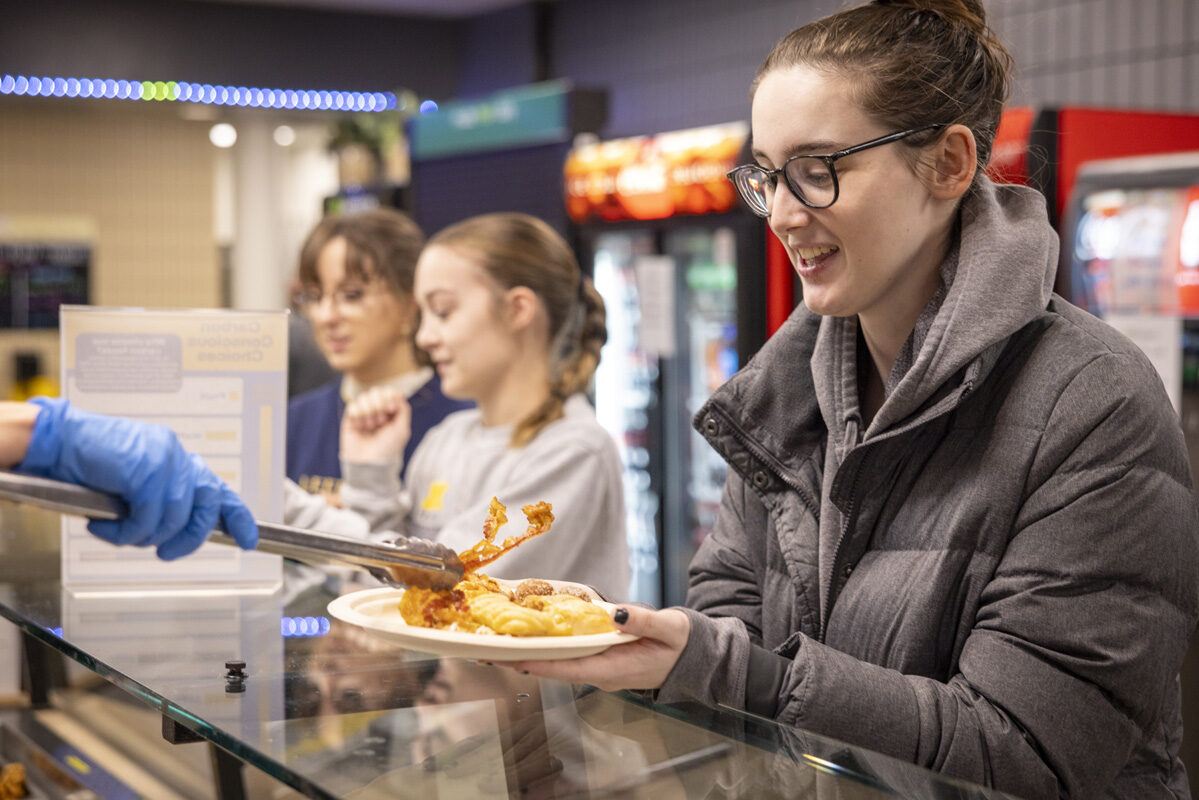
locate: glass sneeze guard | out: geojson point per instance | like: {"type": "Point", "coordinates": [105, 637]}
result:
{"type": "Point", "coordinates": [334, 712]}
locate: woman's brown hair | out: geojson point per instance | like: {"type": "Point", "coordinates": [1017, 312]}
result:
{"type": "Point", "coordinates": [520, 250]}
{"type": "Point", "coordinates": [911, 63]}
{"type": "Point", "coordinates": [380, 242]}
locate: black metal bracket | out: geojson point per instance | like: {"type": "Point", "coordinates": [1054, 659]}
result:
{"type": "Point", "coordinates": [175, 733]}
{"type": "Point", "coordinates": [227, 774]}
{"type": "Point", "coordinates": [43, 669]}
{"type": "Point", "coordinates": [227, 771]}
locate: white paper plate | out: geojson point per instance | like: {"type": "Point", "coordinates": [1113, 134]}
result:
{"type": "Point", "coordinates": [378, 611]}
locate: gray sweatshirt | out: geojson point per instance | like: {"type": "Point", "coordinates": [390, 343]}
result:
{"type": "Point", "coordinates": [460, 465]}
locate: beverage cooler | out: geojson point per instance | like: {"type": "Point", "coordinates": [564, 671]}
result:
{"type": "Point", "coordinates": [1044, 147]}
{"type": "Point", "coordinates": [682, 270]}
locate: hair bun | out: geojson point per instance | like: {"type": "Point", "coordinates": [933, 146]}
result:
{"type": "Point", "coordinates": [969, 13]}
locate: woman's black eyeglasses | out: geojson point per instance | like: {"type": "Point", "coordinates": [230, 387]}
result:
{"type": "Point", "coordinates": [811, 178]}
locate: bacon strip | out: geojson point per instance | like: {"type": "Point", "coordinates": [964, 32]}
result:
{"type": "Point", "coordinates": [497, 517]}
{"type": "Point", "coordinates": [540, 519]}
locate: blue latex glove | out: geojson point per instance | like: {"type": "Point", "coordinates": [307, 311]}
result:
{"type": "Point", "coordinates": [174, 499]}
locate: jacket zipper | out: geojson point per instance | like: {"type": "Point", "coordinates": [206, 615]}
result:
{"type": "Point", "coordinates": [967, 387]}
{"type": "Point", "coordinates": [849, 515]}
{"type": "Point", "coordinates": [765, 459]}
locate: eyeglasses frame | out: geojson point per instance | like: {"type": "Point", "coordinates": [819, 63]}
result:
{"type": "Point", "coordinates": [829, 161]}
{"type": "Point", "coordinates": [309, 302]}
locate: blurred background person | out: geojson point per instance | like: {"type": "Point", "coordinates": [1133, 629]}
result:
{"type": "Point", "coordinates": [356, 274]}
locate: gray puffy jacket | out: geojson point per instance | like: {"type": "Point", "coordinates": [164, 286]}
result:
{"type": "Point", "coordinates": [996, 579]}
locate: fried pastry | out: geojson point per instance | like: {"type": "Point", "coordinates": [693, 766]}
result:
{"type": "Point", "coordinates": [528, 588]}
{"type": "Point", "coordinates": [12, 781]}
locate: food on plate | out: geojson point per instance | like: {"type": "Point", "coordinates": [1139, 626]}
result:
{"type": "Point", "coordinates": [479, 604]}
{"type": "Point", "coordinates": [12, 781]}
{"type": "Point", "coordinates": [531, 587]}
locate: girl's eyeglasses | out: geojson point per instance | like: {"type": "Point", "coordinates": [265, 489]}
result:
{"type": "Point", "coordinates": [811, 178]}
{"type": "Point", "coordinates": [347, 300]}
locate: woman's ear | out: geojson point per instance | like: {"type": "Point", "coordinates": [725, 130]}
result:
{"type": "Point", "coordinates": [521, 305]}
{"type": "Point", "coordinates": [953, 160]}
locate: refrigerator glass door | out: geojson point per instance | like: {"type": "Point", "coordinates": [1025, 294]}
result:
{"type": "Point", "coordinates": [706, 333]}
{"type": "Point", "coordinates": [626, 400]}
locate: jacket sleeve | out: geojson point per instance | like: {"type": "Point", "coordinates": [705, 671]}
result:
{"type": "Point", "coordinates": [1081, 630]}
{"type": "Point", "coordinates": [724, 604]}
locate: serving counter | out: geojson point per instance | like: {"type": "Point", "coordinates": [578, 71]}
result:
{"type": "Point", "coordinates": [332, 712]}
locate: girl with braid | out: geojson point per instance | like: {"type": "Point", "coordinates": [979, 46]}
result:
{"type": "Point", "coordinates": [510, 323]}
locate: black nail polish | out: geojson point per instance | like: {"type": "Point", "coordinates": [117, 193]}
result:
{"type": "Point", "coordinates": [621, 616]}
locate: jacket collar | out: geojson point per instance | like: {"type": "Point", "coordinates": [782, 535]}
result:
{"type": "Point", "coordinates": [999, 277]}
{"type": "Point", "coordinates": [780, 405]}
{"type": "Point", "coordinates": [770, 406]}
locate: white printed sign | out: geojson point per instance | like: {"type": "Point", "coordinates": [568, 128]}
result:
{"type": "Point", "coordinates": [219, 380]}
{"type": "Point", "coordinates": [655, 295]}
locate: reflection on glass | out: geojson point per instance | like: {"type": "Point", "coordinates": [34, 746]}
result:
{"type": "Point", "coordinates": [1134, 251]}
{"type": "Point", "coordinates": [707, 323]}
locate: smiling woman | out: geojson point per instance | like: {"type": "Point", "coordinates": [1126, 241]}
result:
{"type": "Point", "coordinates": [959, 526]}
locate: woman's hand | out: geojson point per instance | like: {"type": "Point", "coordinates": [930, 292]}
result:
{"type": "Point", "coordinates": [376, 426]}
{"type": "Point", "coordinates": [642, 664]}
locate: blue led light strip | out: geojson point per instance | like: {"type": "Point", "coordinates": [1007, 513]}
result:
{"type": "Point", "coordinates": [292, 627]}
{"type": "Point", "coordinates": [203, 93]}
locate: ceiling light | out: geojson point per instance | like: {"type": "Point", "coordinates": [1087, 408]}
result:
{"type": "Point", "coordinates": [222, 134]}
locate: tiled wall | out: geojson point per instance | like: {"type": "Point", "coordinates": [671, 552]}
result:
{"type": "Point", "coordinates": [145, 178]}
{"type": "Point", "coordinates": [1140, 54]}
{"type": "Point", "coordinates": [674, 64]}
{"type": "Point", "coordinates": [142, 180]}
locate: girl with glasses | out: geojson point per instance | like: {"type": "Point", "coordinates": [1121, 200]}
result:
{"type": "Point", "coordinates": [356, 273]}
{"type": "Point", "coordinates": [511, 324]}
{"type": "Point", "coordinates": [959, 527]}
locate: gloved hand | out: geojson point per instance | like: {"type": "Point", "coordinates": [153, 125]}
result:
{"type": "Point", "coordinates": [174, 499]}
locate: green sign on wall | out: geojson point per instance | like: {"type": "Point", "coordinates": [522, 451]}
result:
{"type": "Point", "coordinates": [529, 115]}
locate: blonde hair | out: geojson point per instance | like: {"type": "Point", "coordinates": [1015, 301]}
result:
{"type": "Point", "coordinates": [520, 250]}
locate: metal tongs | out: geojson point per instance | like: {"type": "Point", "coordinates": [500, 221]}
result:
{"type": "Point", "coordinates": [403, 562]}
